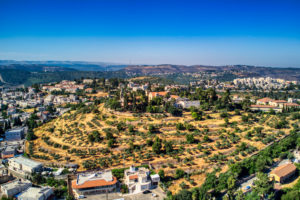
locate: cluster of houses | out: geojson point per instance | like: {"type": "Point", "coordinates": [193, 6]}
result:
{"type": "Point", "coordinates": [67, 86]}
{"type": "Point", "coordinates": [17, 186]}
{"type": "Point", "coordinates": [180, 102]}
{"type": "Point", "coordinates": [265, 83]}
{"type": "Point", "coordinates": [136, 179]}
{"type": "Point", "coordinates": [268, 104]}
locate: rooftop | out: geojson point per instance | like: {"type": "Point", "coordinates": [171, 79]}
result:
{"type": "Point", "coordinates": [89, 180]}
{"type": "Point", "coordinates": [284, 170]}
{"type": "Point", "coordinates": [14, 184]}
{"type": "Point", "coordinates": [266, 99]}
{"type": "Point", "coordinates": [262, 106]}
{"type": "Point", "coordinates": [34, 192]}
{"type": "Point", "coordinates": [25, 161]}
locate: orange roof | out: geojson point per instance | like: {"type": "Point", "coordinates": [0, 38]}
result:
{"type": "Point", "coordinates": [262, 106]}
{"type": "Point", "coordinates": [266, 99]}
{"type": "Point", "coordinates": [159, 93]}
{"type": "Point", "coordinates": [93, 183]}
{"type": "Point", "coordinates": [279, 101]}
{"type": "Point", "coordinates": [284, 170]}
{"type": "Point", "coordinates": [174, 97]}
{"type": "Point", "coordinates": [132, 177]}
{"type": "Point", "coordinates": [291, 104]}
{"type": "Point", "coordinates": [8, 156]}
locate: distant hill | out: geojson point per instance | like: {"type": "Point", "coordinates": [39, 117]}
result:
{"type": "Point", "coordinates": [35, 68]}
{"type": "Point", "coordinates": [238, 70]}
{"type": "Point", "coordinates": [30, 72]}
{"type": "Point", "coordinates": [76, 65]}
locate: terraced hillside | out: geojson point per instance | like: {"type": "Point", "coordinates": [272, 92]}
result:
{"type": "Point", "coordinates": [95, 137]}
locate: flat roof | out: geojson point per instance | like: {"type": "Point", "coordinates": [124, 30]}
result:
{"type": "Point", "coordinates": [35, 192]}
{"type": "Point", "coordinates": [25, 161]}
{"type": "Point", "coordinates": [14, 184]}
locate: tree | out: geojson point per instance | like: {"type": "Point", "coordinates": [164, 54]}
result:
{"type": "Point", "coordinates": [190, 138]}
{"type": "Point", "coordinates": [179, 173]}
{"type": "Point", "coordinates": [161, 174]}
{"type": "Point", "coordinates": [231, 184]}
{"type": "Point", "coordinates": [263, 186]}
{"type": "Point", "coordinates": [197, 115]}
{"type": "Point", "coordinates": [156, 147]}
{"type": "Point", "coordinates": [151, 128]}
{"type": "Point", "coordinates": [180, 126]}
{"type": "Point", "coordinates": [109, 135]}
{"type": "Point", "coordinates": [169, 147]}
{"type": "Point", "coordinates": [30, 135]}
{"type": "Point", "coordinates": [291, 195]}
{"type": "Point", "coordinates": [1, 132]}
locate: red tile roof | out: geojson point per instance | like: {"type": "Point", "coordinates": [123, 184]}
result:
{"type": "Point", "coordinates": [132, 177]}
{"type": "Point", "coordinates": [291, 104]}
{"type": "Point", "coordinates": [159, 93]}
{"type": "Point", "coordinates": [266, 99]}
{"type": "Point", "coordinates": [94, 183]}
{"type": "Point", "coordinates": [262, 106]}
{"type": "Point", "coordinates": [284, 170]}
{"type": "Point", "coordinates": [279, 101]}
{"type": "Point", "coordinates": [174, 96]}
{"type": "Point", "coordinates": [8, 156]}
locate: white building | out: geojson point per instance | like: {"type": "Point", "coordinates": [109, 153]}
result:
{"type": "Point", "coordinates": [94, 183]}
{"type": "Point", "coordinates": [188, 104]}
{"type": "Point", "coordinates": [24, 165]}
{"type": "Point", "coordinates": [12, 188]}
{"type": "Point", "coordinates": [139, 179]}
{"type": "Point", "coordinates": [15, 134]}
{"type": "Point", "coordinates": [34, 193]}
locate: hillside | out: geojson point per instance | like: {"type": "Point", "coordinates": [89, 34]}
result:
{"type": "Point", "coordinates": [238, 70]}
{"type": "Point", "coordinates": [67, 65]}
{"type": "Point", "coordinates": [95, 137]}
{"type": "Point", "coordinates": [18, 76]}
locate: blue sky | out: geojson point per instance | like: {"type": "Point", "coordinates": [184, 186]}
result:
{"type": "Point", "coordinates": [214, 32]}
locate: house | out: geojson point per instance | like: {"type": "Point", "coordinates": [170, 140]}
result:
{"type": "Point", "coordinates": [153, 95]}
{"type": "Point", "coordinates": [291, 105]}
{"type": "Point", "coordinates": [277, 103]}
{"type": "Point", "coordinates": [15, 134]}
{"type": "Point", "coordinates": [139, 179]}
{"type": "Point", "coordinates": [8, 152]}
{"type": "Point", "coordinates": [89, 90]}
{"type": "Point", "coordinates": [291, 100]}
{"type": "Point", "coordinates": [282, 173]}
{"type": "Point", "coordinates": [237, 99]}
{"type": "Point", "coordinates": [94, 183]}
{"type": "Point", "coordinates": [188, 104]}
{"type": "Point", "coordinates": [10, 189]}
{"type": "Point", "coordinates": [265, 108]}
{"type": "Point", "coordinates": [264, 101]}
{"type": "Point", "coordinates": [35, 193]}
{"type": "Point", "coordinates": [88, 81]}
{"type": "Point", "coordinates": [23, 165]}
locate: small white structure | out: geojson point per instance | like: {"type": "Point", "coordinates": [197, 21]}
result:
{"type": "Point", "coordinates": [12, 188]}
{"type": "Point", "coordinates": [188, 104]}
{"type": "Point", "coordinates": [139, 179]}
{"type": "Point", "coordinates": [24, 165]}
{"type": "Point", "coordinates": [34, 193]}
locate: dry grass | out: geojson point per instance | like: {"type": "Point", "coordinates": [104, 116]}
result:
{"type": "Point", "coordinates": [73, 129]}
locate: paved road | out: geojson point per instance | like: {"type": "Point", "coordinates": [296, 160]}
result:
{"type": "Point", "coordinates": [159, 196]}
